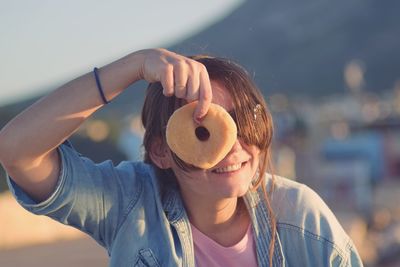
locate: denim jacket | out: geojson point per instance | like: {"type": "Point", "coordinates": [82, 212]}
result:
{"type": "Point", "coordinates": [123, 209]}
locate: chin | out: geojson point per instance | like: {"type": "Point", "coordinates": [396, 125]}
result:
{"type": "Point", "coordinates": [233, 190]}
{"type": "Point", "coordinates": [233, 184]}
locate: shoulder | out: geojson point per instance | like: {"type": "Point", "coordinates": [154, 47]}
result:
{"type": "Point", "coordinates": [138, 175]}
{"type": "Point", "coordinates": [298, 205]}
{"type": "Point", "coordinates": [129, 169]}
{"type": "Point", "coordinates": [123, 183]}
{"type": "Point", "coordinates": [303, 217]}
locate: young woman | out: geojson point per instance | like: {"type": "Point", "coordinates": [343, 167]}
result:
{"type": "Point", "coordinates": [164, 212]}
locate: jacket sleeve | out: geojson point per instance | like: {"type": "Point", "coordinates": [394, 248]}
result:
{"type": "Point", "coordinates": [90, 197]}
{"type": "Point", "coordinates": [309, 232]}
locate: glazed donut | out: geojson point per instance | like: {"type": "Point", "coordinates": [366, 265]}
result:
{"type": "Point", "coordinates": [201, 145]}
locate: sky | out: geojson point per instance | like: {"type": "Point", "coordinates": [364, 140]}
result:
{"type": "Point", "coordinates": [49, 42]}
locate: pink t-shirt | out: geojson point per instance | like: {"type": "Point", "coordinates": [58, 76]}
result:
{"type": "Point", "coordinates": [209, 253]}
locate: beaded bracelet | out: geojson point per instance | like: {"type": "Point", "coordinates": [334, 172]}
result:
{"type": "Point", "coordinates": [99, 87]}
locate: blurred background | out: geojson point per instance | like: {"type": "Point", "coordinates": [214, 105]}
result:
{"type": "Point", "coordinates": [329, 70]}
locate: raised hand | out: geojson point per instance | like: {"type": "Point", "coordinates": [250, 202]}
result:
{"type": "Point", "coordinates": [180, 76]}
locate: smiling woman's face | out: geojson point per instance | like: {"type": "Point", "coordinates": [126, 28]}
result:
{"type": "Point", "coordinates": [232, 176]}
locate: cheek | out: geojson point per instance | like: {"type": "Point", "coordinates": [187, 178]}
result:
{"type": "Point", "coordinates": [255, 158]}
{"type": "Point", "coordinates": [254, 152]}
{"type": "Point", "coordinates": [189, 176]}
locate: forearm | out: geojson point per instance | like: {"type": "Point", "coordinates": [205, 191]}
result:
{"type": "Point", "coordinates": [28, 143]}
{"type": "Point", "coordinates": [47, 123]}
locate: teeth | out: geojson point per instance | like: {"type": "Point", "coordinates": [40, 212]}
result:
{"type": "Point", "coordinates": [230, 168]}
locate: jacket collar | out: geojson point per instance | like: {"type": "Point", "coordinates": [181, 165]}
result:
{"type": "Point", "coordinates": [175, 212]}
{"type": "Point", "coordinates": [261, 221]}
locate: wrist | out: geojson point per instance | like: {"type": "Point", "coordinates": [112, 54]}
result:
{"type": "Point", "coordinates": [136, 61]}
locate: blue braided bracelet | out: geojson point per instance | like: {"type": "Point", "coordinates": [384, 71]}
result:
{"type": "Point", "coordinates": [99, 87]}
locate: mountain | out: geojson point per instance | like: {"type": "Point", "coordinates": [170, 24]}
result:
{"type": "Point", "coordinates": [297, 47]}
{"type": "Point", "coordinates": [301, 47]}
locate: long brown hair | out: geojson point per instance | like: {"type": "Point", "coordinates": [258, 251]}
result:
{"type": "Point", "coordinates": [251, 114]}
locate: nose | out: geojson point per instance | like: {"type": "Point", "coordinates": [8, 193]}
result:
{"type": "Point", "coordinates": [236, 154]}
{"type": "Point", "coordinates": [237, 146]}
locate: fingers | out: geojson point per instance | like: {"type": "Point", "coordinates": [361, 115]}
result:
{"type": "Point", "coordinates": [180, 76]}
{"type": "Point", "coordinates": [167, 80]}
{"type": "Point", "coordinates": [193, 84]}
{"type": "Point", "coordinates": [205, 96]}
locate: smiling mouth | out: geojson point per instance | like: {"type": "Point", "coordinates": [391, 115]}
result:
{"type": "Point", "coordinates": [230, 168]}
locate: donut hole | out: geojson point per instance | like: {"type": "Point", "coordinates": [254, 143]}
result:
{"type": "Point", "coordinates": [202, 133]}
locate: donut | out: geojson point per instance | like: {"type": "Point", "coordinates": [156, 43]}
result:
{"type": "Point", "coordinates": [202, 145]}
